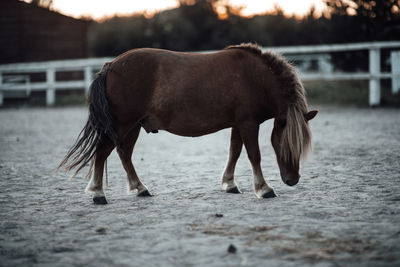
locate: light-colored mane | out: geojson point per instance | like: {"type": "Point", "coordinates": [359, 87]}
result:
{"type": "Point", "coordinates": [296, 136]}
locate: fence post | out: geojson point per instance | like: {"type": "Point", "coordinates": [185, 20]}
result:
{"type": "Point", "coordinates": [395, 62]}
{"type": "Point", "coordinates": [374, 80]}
{"type": "Point", "coordinates": [50, 92]}
{"type": "Point", "coordinates": [88, 77]}
{"type": "Point", "coordinates": [1, 90]}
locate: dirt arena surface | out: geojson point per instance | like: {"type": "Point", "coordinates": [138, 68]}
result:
{"type": "Point", "coordinates": [345, 211]}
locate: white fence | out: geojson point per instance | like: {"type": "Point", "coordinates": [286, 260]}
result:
{"type": "Point", "coordinates": [88, 66]}
{"type": "Point", "coordinates": [374, 75]}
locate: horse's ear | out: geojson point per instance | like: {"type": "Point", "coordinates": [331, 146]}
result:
{"type": "Point", "coordinates": [310, 115]}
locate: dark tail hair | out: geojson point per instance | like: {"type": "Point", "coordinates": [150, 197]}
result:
{"type": "Point", "coordinates": [98, 126]}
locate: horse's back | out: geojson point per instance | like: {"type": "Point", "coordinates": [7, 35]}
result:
{"type": "Point", "coordinates": [184, 93]}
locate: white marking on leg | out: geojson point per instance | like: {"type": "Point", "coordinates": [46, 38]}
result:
{"type": "Point", "coordinates": [136, 185]}
{"type": "Point", "coordinates": [132, 186]}
{"type": "Point", "coordinates": [228, 182]}
{"type": "Point", "coordinates": [235, 147]}
{"type": "Point", "coordinates": [260, 185]}
{"type": "Point", "coordinates": [230, 185]}
{"type": "Point", "coordinates": [98, 193]}
{"type": "Point", "coordinates": [141, 188]}
{"type": "Point", "coordinates": [90, 189]}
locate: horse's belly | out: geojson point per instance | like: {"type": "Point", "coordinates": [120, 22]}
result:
{"type": "Point", "coordinates": [185, 125]}
{"type": "Point", "coordinates": [195, 130]}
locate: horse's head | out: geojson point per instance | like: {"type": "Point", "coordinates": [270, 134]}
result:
{"type": "Point", "coordinates": [291, 139]}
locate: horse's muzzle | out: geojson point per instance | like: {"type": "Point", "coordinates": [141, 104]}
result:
{"type": "Point", "coordinates": [292, 182]}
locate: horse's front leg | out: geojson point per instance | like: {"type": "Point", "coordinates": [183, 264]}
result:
{"type": "Point", "coordinates": [228, 181]}
{"type": "Point", "coordinates": [95, 184]}
{"type": "Point", "coordinates": [249, 134]}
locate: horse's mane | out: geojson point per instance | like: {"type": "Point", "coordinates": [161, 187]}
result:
{"type": "Point", "coordinates": [296, 136]}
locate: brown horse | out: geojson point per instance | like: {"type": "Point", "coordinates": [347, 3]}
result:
{"type": "Point", "coordinates": [193, 94]}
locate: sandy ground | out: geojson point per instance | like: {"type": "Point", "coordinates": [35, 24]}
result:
{"type": "Point", "coordinates": [345, 210]}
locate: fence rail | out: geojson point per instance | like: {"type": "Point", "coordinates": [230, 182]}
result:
{"type": "Point", "coordinates": [88, 66]}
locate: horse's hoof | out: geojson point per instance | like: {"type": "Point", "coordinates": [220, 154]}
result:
{"type": "Point", "coordinates": [234, 190]}
{"type": "Point", "coordinates": [100, 200]}
{"type": "Point", "coordinates": [145, 193]}
{"type": "Point", "coordinates": [270, 194]}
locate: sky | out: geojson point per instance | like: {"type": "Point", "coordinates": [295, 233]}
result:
{"type": "Point", "coordinates": [98, 9]}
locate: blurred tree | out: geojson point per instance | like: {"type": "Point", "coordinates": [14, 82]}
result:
{"type": "Point", "coordinates": [376, 19]}
{"type": "Point", "coordinates": [360, 21]}
{"type": "Point", "coordinates": [313, 30]}
{"type": "Point", "coordinates": [214, 24]}
{"type": "Point", "coordinates": [119, 34]}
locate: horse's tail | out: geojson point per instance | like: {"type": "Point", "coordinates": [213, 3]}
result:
{"type": "Point", "coordinates": [98, 126]}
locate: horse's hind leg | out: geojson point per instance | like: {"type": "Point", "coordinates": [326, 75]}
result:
{"type": "Point", "coordinates": [249, 135]}
{"type": "Point", "coordinates": [228, 181]}
{"type": "Point", "coordinates": [95, 184]}
{"type": "Point", "coordinates": [125, 150]}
